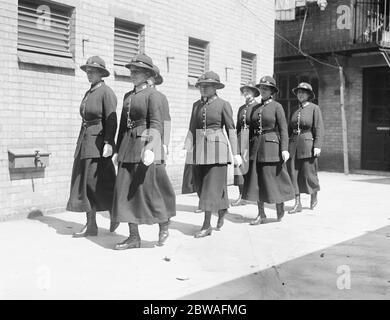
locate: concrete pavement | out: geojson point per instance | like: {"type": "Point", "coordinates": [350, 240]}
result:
{"type": "Point", "coordinates": [339, 251]}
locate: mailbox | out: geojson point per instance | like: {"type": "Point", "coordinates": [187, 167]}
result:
{"type": "Point", "coordinates": [32, 158]}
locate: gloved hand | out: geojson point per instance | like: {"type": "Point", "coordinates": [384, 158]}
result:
{"type": "Point", "coordinates": [317, 152]}
{"type": "Point", "coordinates": [115, 159]}
{"type": "Point", "coordinates": [107, 150]}
{"type": "Point", "coordinates": [237, 160]}
{"type": "Point", "coordinates": [285, 155]}
{"type": "Point", "coordinates": [148, 158]}
{"type": "Point", "coordinates": [165, 149]}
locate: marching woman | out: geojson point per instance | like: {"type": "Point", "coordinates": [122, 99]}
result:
{"type": "Point", "coordinates": [143, 192]}
{"type": "Point", "coordinates": [250, 92]}
{"type": "Point", "coordinates": [267, 179]}
{"type": "Point", "coordinates": [306, 131]}
{"type": "Point", "coordinates": [93, 174]}
{"type": "Point", "coordinates": [208, 151]}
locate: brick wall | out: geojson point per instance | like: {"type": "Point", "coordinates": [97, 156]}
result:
{"type": "Point", "coordinates": [329, 101]}
{"type": "Point", "coordinates": [40, 104]}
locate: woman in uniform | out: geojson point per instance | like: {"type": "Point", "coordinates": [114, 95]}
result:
{"type": "Point", "coordinates": [267, 179]}
{"type": "Point", "coordinates": [306, 131]}
{"type": "Point", "coordinates": [208, 151]}
{"type": "Point", "coordinates": [250, 92]}
{"type": "Point", "coordinates": [143, 192]}
{"type": "Point", "coordinates": [93, 174]}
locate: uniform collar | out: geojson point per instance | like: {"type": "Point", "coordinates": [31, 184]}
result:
{"type": "Point", "coordinates": [305, 104]}
{"type": "Point", "coordinates": [96, 85]}
{"type": "Point", "coordinates": [141, 87]}
{"type": "Point", "coordinates": [251, 103]}
{"type": "Point", "coordinates": [209, 100]}
{"type": "Point", "coordinates": [266, 101]}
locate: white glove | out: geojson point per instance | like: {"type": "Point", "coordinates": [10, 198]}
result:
{"type": "Point", "coordinates": [165, 149]}
{"type": "Point", "coordinates": [317, 152]}
{"type": "Point", "coordinates": [237, 160]}
{"type": "Point", "coordinates": [107, 150]}
{"type": "Point", "coordinates": [148, 158]}
{"type": "Point", "coordinates": [115, 159]}
{"type": "Point", "coordinates": [285, 155]}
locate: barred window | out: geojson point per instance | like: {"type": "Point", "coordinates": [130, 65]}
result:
{"type": "Point", "coordinates": [197, 59]}
{"type": "Point", "coordinates": [44, 27]}
{"type": "Point", "coordinates": [128, 41]}
{"type": "Point", "coordinates": [248, 67]}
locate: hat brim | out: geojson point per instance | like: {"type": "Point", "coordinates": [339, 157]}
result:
{"type": "Point", "coordinates": [216, 84]}
{"type": "Point", "coordinates": [140, 65]}
{"type": "Point", "coordinates": [104, 71]}
{"type": "Point", "coordinates": [254, 89]}
{"type": "Point", "coordinates": [312, 94]}
{"type": "Point", "coordinates": [275, 88]}
{"type": "Point", "coordinates": [158, 79]}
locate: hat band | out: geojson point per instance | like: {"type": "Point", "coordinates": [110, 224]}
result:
{"type": "Point", "coordinates": [209, 80]}
{"type": "Point", "coordinates": [144, 63]}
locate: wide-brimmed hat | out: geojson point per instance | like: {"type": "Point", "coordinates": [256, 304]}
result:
{"type": "Point", "coordinates": [210, 77]}
{"type": "Point", "coordinates": [252, 86]}
{"type": "Point", "coordinates": [141, 61]}
{"type": "Point", "coordinates": [269, 82]}
{"type": "Point", "coordinates": [305, 86]}
{"type": "Point", "coordinates": [98, 63]}
{"type": "Point", "coordinates": [158, 79]}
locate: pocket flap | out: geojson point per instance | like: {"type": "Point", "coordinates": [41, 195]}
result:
{"type": "Point", "coordinates": [271, 140]}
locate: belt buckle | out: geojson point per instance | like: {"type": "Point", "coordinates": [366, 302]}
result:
{"type": "Point", "coordinates": [297, 131]}
{"type": "Point", "coordinates": [130, 124]}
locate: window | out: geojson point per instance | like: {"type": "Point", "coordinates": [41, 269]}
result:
{"type": "Point", "coordinates": [197, 59]}
{"type": "Point", "coordinates": [286, 82]}
{"type": "Point", "coordinates": [248, 67]}
{"type": "Point", "coordinates": [44, 28]}
{"type": "Point", "coordinates": [128, 41]}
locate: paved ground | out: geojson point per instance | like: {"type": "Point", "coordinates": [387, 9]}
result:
{"type": "Point", "coordinates": [339, 251]}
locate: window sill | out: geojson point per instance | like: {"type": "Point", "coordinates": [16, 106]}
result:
{"type": "Point", "coordinates": [45, 60]}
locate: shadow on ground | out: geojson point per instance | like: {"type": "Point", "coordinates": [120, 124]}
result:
{"type": "Point", "coordinates": [355, 269]}
{"type": "Point", "coordinates": [105, 239]}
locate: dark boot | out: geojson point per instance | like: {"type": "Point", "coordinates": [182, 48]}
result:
{"type": "Point", "coordinates": [221, 219]}
{"type": "Point", "coordinates": [113, 225]}
{"type": "Point", "coordinates": [313, 200]}
{"type": "Point", "coordinates": [206, 228]}
{"type": "Point", "coordinates": [297, 206]}
{"type": "Point", "coordinates": [280, 211]}
{"type": "Point", "coordinates": [261, 217]}
{"type": "Point", "coordinates": [163, 233]}
{"type": "Point", "coordinates": [90, 229]}
{"type": "Point", "coordinates": [133, 241]}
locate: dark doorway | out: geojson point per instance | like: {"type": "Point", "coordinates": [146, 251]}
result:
{"type": "Point", "coordinates": [376, 119]}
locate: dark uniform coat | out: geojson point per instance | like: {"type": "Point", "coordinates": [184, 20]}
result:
{"type": "Point", "coordinates": [93, 177]}
{"type": "Point", "coordinates": [305, 134]}
{"type": "Point", "coordinates": [208, 152]}
{"type": "Point", "coordinates": [243, 120]}
{"type": "Point", "coordinates": [267, 179]}
{"type": "Point", "coordinates": [143, 195]}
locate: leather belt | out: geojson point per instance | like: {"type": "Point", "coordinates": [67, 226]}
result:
{"type": "Point", "coordinates": [298, 132]}
{"type": "Point", "coordinates": [88, 123]}
{"type": "Point", "coordinates": [257, 132]}
{"type": "Point", "coordinates": [137, 123]}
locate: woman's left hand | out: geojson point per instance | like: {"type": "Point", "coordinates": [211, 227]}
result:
{"type": "Point", "coordinates": [107, 150]}
{"type": "Point", "coordinates": [317, 152]}
{"type": "Point", "coordinates": [148, 158]}
{"type": "Point", "coordinates": [285, 155]}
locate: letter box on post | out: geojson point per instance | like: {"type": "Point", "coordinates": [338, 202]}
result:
{"type": "Point", "coordinates": [32, 159]}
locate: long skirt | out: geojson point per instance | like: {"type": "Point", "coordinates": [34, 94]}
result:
{"type": "Point", "coordinates": [188, 180]}
{"type": "Point", "coordinates": [143, 195]}
{"type": "Point", "coordinates": [92, 185]}
{"type": "Point", "coordinates": [211, 185]}
{"type": "Point", "coordinates": [268, 182]}
{"type": "Point", "coordinates": [303, 174]}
